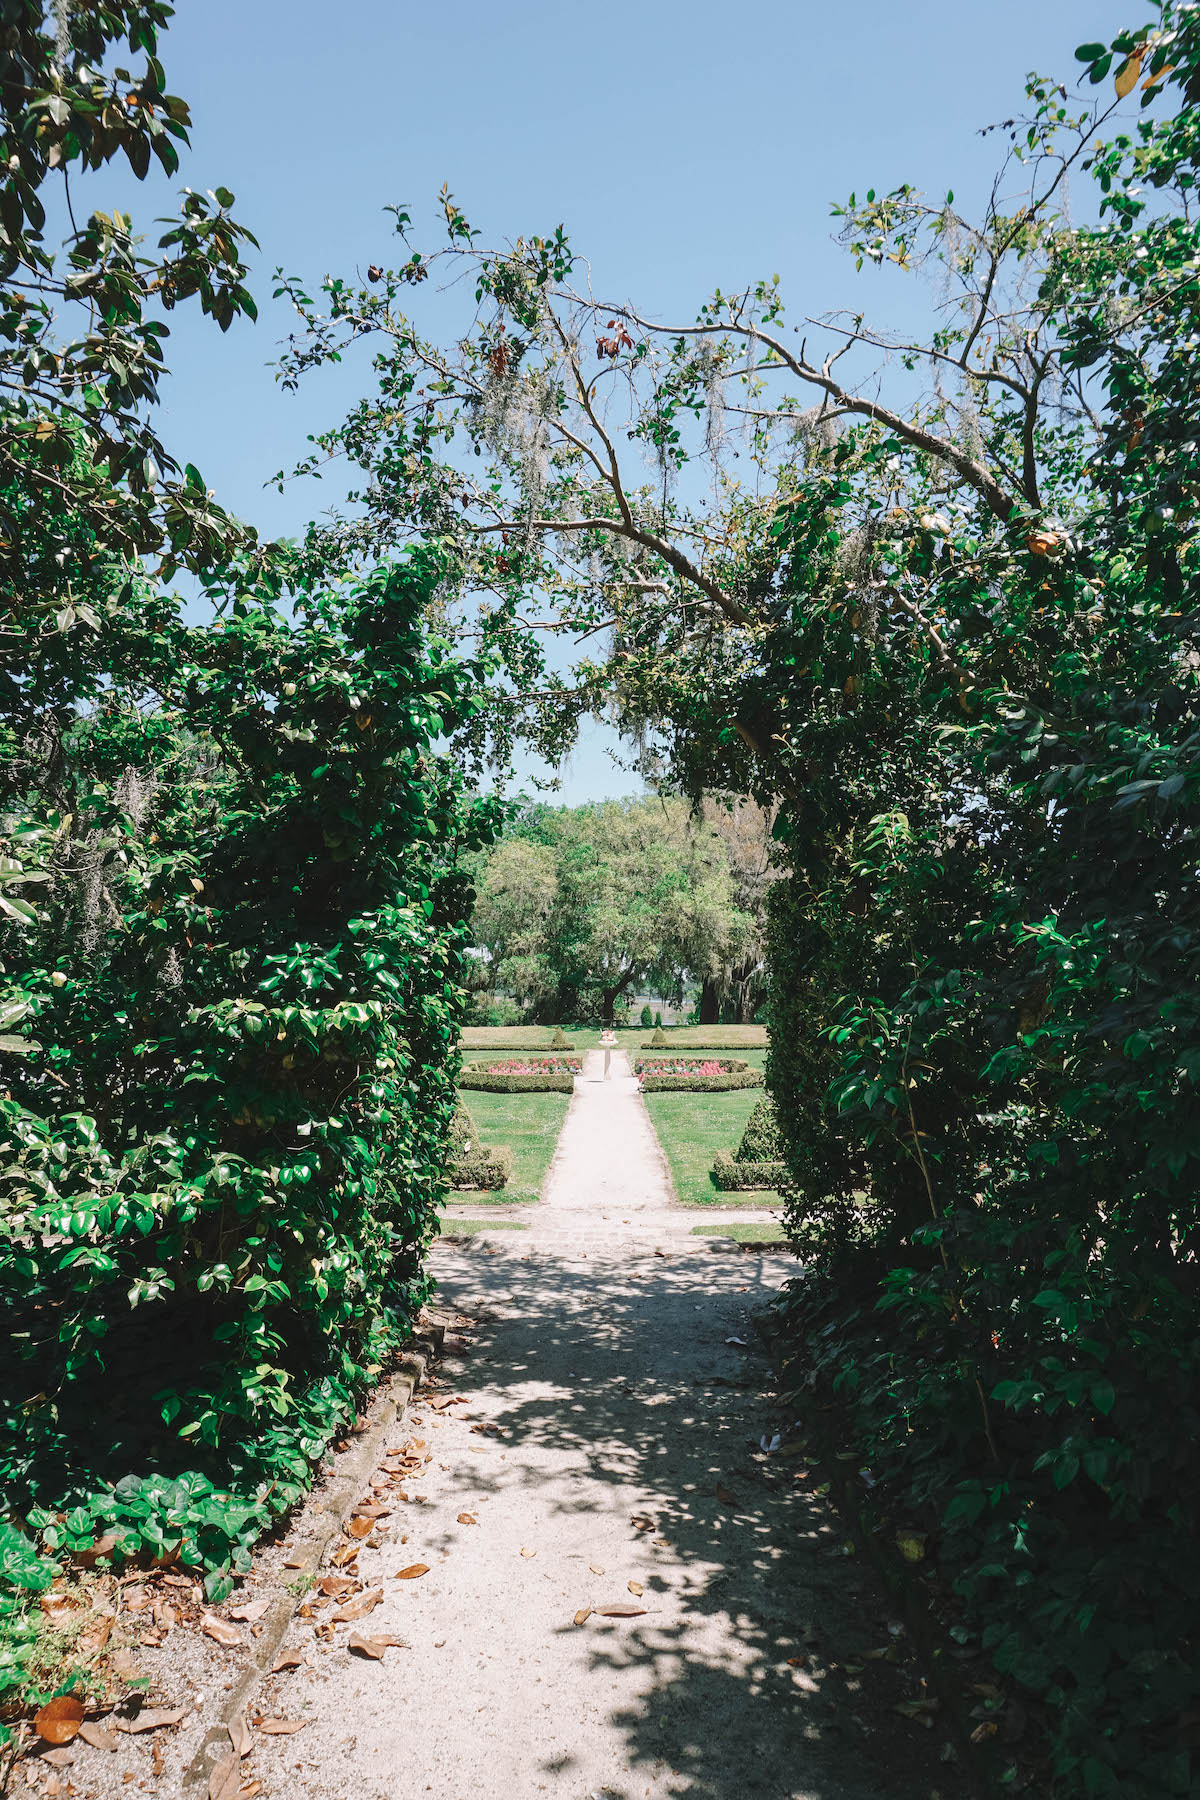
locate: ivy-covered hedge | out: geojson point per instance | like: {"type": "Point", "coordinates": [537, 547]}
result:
{"type": "Point", "coordinates": [232, 962]}
{"type": "Point", "coordinates": [732, 1176]}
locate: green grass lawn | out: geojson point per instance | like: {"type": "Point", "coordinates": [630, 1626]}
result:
{"type": "Point", "coordinates": [745, 1233]}
{"type": "Point", "coordinates": [529, 1124]}
{"type": "Point", "coordinates": [691, 1129]}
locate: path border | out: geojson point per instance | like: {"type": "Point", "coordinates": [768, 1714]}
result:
{"type": "Point", "coordinates": [389, 1404]}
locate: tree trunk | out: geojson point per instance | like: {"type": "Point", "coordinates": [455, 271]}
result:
{"type": "Point", "coordinates": [609, 1004]}
{"type": "Point", "coordinates": [710, 1002]}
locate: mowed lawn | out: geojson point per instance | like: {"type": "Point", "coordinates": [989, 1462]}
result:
{"type": "Point", "coordinates": [529, 1124]}
{"type": "Point", "coordinates": [692, 1128]}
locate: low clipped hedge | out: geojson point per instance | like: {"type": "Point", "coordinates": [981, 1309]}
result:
{"type": "Point", "coordinates": [700, 1084]}
{"type": "Point", "coordinates": [734, 1177]}
{"type": "Point", "coordinates": [481, 1081]}
{"type": "Point", "coordinates": [487, 1168]}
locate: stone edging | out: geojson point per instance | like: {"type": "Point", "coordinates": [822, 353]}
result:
{"type": "Point", "coordinates": [388, 1406]}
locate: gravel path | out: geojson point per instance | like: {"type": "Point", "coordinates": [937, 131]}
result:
{"type": "Point", "coordinates": [605, 1453]}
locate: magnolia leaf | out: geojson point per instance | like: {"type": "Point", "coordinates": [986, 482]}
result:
{"type": "Point", "coordinates": [60, 1719]}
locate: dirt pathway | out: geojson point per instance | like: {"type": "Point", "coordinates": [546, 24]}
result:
{"type": "Point", "coordinates": [607, 1454]}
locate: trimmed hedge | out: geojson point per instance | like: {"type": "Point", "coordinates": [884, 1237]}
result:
{"type": "Point", "coordinates": [700, 1084]}
{"type": "Point", "coordinates": [480, 1082]}
{"type": "Point", "coordinates": [490, 1167]}
{"type": "Point", "coordinates": [734, 1177]}
{"type": "Point", "coordinates": [762, 1141]}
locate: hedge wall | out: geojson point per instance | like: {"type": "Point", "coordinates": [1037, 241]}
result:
{"type": "Point", "coordinates": [733, 1177]}
{"type": "Point", "coordinates": [237, 980]}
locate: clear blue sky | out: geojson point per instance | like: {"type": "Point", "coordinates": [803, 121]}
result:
{"type": "Point", "coordinates": [685, 145]}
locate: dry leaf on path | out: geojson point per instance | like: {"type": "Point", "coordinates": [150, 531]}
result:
{"type": "Point", "coordinates": [220, 1630]}
{"type": "Point", "coordinates": [225, 1779]}
{"type": "Point", "coordinates": [583, 1615]}
{"type": "Point", "coordinates": [345, 1553]}
{"type": "Point", "coordinates": [287, 1659]}
{"type": "Point", "coordinates": [642, 1522]}
{"type": "Point", "coordinates": [368, 1510]}
{"type": "Point", "coordinates": [128, 1665]}
{"type": "Point", "coordinates": [240, 1735]}
{"type": "Point", "coordinates": [337, 1586]}
{"type": "Point", "coordinates": [467, 1519]}
{"type": "Point", "coordinates": [635, 1587]}
{"type": "Point", "coordinates": [595, 1568]}
{"type": "Point", "coordinates": [149, 1719]}
{"type": "Point", "coordinates": [280, 1727]}
{"type": "Point", "coordinates": [412, 1571]}
{"type": "Point", "coordinates": [620, 1611]}
{"type": "Point", "coordinates": [359, 1527]}
{"type": "Point", "coordinates": [250, 1610]}
{"type": "Point", "coordinates": [726, 1496]}
{"type": "Point", "coordinates": [374, 1647]}
{"type": "Point", "coordinates": [359, 1607]}
{"type": "Point", "coordinates": [59, 1720]}
{"type": "Point", "coordinates": [248, 1792]}
{"type": "Point", "coordinates": [98, 1736]}
{"type": "Point", "coordinates": [526, 1552]}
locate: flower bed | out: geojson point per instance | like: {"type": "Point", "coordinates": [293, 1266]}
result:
{"type": "Point", "coordinates": [521, 1075]}
{"type": "Point", "coordinates": [694, 1074]}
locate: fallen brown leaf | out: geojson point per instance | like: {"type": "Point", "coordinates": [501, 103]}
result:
{"type": "Point", "coordinates": [158, 1761]}
{"type": "Point", "coordinates": [596, 1568]}
{"type": "Point", "coordinates": [336, 1587]}
{"type": "Point", "coordinates": [467, 1519]}
{"type": "Point", "coordinates": [127, 1665]}
{"type": "Point", "coordinates": [345, 1553]}
{"type": "Point", "coordinates": [412, 1571]}
{"type": "Point", "coordinates": [287, 1659]}
{"type": "Point", "coordinates": [620, 1611]}
{"type": "Point", "coordinates": [525, 1552]}
{"type": "Point", "coordinates": [641, 1522]}
{"type": "Point", "coordinates": [373, 1647]}
{"type": "Point", "coordinates": [359, 1607]}
{"type": "Point", "coordinates": [583, 1615]}
{"type": "Point", "coordinates": [225, 1779]}
{"type": "Point", "coordinates": [240, 1735]}
{"type": "Point", "coordinates": [60, 1719]}
{"type": "Point", "coordinates": [220, 1630]}
{"type": "Point", "coordinates": [280, 1727]}
{"type": "Point", "coordinates": [635, 1587]}
{"type": "Point", "coordinates": [98, 1736]}
{"type": "Point", "coordinates": [726, 1496]}
{"type": "Point", "coordinates": [149, 1720]}
{"type": "Point", "coordinates": [368, 1510]}
{"type": "Point", "coordinates": [96, 1635]}
{"type": "Point", "coordinates": [359, 1527]}
{"type": "Point", "coordinates": [251, 1609]}
{"type": "Point", "coordinates": [58, 1759]}
{"type": "Point", "coordinates": [248, 1792]}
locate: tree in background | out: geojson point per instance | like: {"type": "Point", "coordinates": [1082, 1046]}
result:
{"type": "Point", "coordinates": [577, 907]}
{"type": "Point", "coordinates": [744, 827]}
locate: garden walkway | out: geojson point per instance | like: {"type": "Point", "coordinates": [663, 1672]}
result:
{"type": "Point", "coordinates": [607, 1456]}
